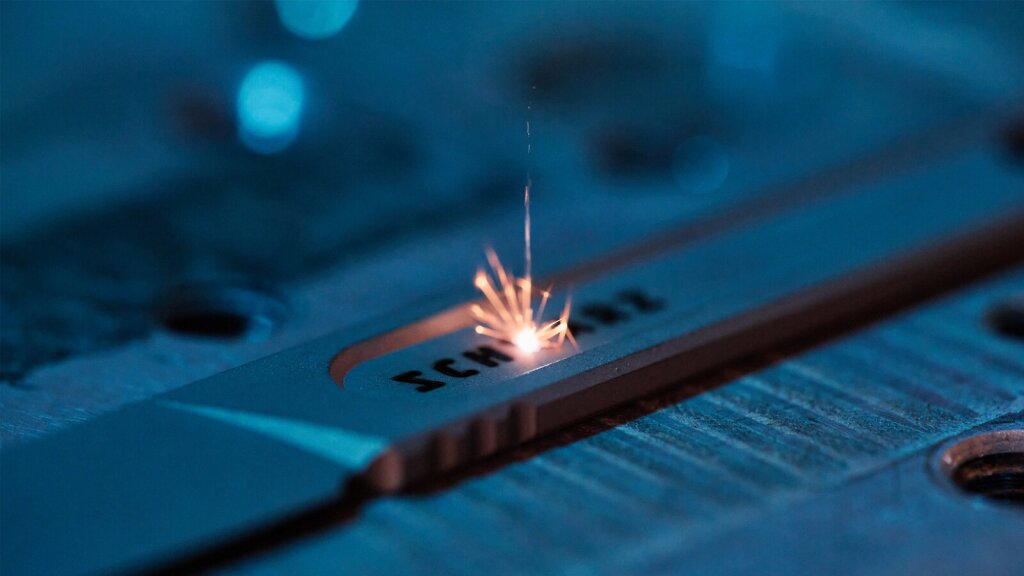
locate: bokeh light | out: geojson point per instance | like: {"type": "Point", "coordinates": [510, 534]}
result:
{"type": "Point", "coordinates": [700, 165]}
{"type": "Point", "coordinates": [270, 103]}
{"type": "Point", "coordinates": [315, 19]}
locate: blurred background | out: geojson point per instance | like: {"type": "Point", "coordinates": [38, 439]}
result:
{"type": "Point", "coordinates": [187, 186]}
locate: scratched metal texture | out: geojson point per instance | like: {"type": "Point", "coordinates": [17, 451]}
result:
{"type": "Point", "coordinates": [819, 463]}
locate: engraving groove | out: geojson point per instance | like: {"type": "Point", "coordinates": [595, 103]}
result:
{"type": "Point", "coordinates": [445, 367]}
{"type": "Point", "coordinates": [413, 377]}
{"type": "Point", "coordinates": [604, 314]}
{"type": "Point", "coordinates": [641, 301]}
{"type": "Point", "coordinates": [487, 356]}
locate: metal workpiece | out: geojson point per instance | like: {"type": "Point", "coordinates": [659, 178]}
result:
{"type": "Point", "coordinates": [808, 458]}
{"type": "Point", "coordinates": [558, 288]}
{"type": "Point", "coordinates": [264, 442]}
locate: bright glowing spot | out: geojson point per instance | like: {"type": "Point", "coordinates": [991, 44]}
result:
{"type": "Point", "coordinates": [509, 314]}
{"type": "Point", "coordinates": [270, 102]}
{"type": "Point", "coordinates": [508, 311]}
{"type": "Point", "coordinates": [527, 341]}
{"type": "Point", "coordinates": [315, 19]}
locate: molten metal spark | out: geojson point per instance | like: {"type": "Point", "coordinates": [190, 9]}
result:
{"type": "Point", "coordinates": [509, 314]}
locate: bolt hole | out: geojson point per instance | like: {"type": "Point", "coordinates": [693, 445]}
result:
{"type": "Point", "coordinates": [1007, 317]}
{"type": "Point", "coordinates": [989, 465]}
{"type": "Point", "coordinates": [222, 312]}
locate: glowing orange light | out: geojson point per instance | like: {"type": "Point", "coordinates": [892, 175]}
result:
{"type": "Point", "coordinates": [509, 314]}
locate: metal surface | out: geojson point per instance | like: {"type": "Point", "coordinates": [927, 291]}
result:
{"type": "Point", "coordinates": [210, 448]}
{"type": "Point", "coordinates": [797, 468]}
{"type": "Point", "coordinates": [124, 180]}
{"type": "Point", "coordinates": [197, 340]}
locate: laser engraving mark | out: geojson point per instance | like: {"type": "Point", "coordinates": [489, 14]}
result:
{"type": "Point", "coordinates": [622, 308]}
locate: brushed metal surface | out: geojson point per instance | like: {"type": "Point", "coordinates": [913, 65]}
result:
{"type": "Point", "coordinates": [218, 439]}
{"type": "Point", "coordinates": [796, 468]}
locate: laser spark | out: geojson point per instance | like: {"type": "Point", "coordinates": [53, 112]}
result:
{"type": "Point", "coordinates": [509, 314]}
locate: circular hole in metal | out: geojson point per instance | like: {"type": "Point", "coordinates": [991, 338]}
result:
{"type": "Point", "coordinates": [222, 311]}
{"type": "Point", "coordinates": [1007, 317]}
{"type": "Point", "coordinates": [989, 465]}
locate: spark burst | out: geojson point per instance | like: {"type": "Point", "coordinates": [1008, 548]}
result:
{"type": "Point", "coordinates": [509, 314]}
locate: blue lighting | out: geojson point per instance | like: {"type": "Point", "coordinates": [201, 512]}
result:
{"type": "Point", "coordinates": [315, 19]}
{"type": "Point", "coordinates": [270, 102]}
{"type": "Point", "coordinates": [700, 165]}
